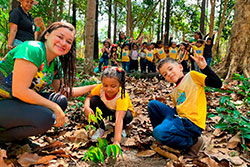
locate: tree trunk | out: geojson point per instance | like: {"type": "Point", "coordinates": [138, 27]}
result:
{"type": "Point", "coordinates": [115, 22]}
{"type": "Point", "coordinates": [238, 54]}
{"type": "Point", "coordinates": [129, 19]}
{"type": "Point", "coordinates": [90, 27]}
{"type": "Point", "coordinates": [13, 4]}
{"type": "Point", "coordinates": [159, 23]}
{"type": "Point", "coordinates": [68, 17]}
{"type": "Point", "coordinates": [211, 25]}
{"type": "Point", "coordinates": [61, 10]}
{"type": "Point", "coordinates": [146, 20]}
{"type": "Point", "coordinates": [162, 18]}
{"type": "Point", "coordinates": [202, 20]}
{"type": "Point", "coordinates": [167, 20]}
{"type": "Point", "coordinates": [109, 20]}
{"type": "Point", "coordinates": [96, 43]}
{"type": "Point", "coordinates": [74, 13]}
{"type": "Point", "coordinates": [55, 10]}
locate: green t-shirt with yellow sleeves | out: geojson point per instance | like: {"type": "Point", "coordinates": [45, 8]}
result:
{"type": "Point", "coordinates": [34, 52]}
{"type": "Point", "coordinates": [189, 98]}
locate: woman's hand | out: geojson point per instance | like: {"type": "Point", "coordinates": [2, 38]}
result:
{"type": "Point", "coordinates": [200, 60]}
{"type": "Point", "coordinates": [60, 116]}
{"type": "Point", "coordinates": [10, 47]}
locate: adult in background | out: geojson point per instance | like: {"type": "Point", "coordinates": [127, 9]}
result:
{"type": "Point", "coordinates": [25, 74]}
{"type": "Point", "coordinates": [21, 23]}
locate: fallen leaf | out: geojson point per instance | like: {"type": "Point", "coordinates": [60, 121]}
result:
{"type": "Point", "coordinates": [45, 159]}
{"type": "Point", "coordinates": [27, 159]}
{"type": "Point", "coordinates": [2, 156]}
{"type": "Point", "coordinates": [210, 162]}
{"type": "Point", "coordinates": [56, 144]}
{"type": "Point", "coordinates": [146, 153]}
{"type": "Point", "coordinates": [234, 141]}
{"type": "Point", "coordinates": [165, 153]}
{"type": "Point", "coordinates": [129, 142]}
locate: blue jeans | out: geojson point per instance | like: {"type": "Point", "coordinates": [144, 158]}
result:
{"type": "Point", "coordinates": [151, 66]}
{"type": "Point", "coordinates": [208, 60]}
{"type": "Point", "coordinates": [169, 128]}
{"type": "Point", "coordinates": [143, 64]}
{"type": "Point", "coordinates": [16, 42]}
{"type": "Point", "coordinates": [125, 66]}
{"type": "Point", "coordinates": [103, 60]}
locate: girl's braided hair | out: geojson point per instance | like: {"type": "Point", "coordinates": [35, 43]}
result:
{"type": "Point", "coordinates": [115, 72]}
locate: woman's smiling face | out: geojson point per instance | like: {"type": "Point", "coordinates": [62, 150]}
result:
{"type": "Point", "coordinates": [59, 41]}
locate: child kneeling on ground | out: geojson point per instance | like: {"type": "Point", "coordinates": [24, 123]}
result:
{"type": "Point", "coordinates": [181, 127]}
{"type": "Point", "coordinates": [110, 96]}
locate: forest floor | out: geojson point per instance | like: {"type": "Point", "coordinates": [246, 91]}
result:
{"type": "Point", "coordinates": [66, 146]}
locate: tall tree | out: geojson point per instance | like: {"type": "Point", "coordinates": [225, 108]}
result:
{"type": "Point", "coordinates": [203, 14]}
{"type": "Point", "coordinates": [55, 10]}
{"type": "Point", "coordinates": [162, 18]}
{"type": "Point", "coordinates": [90, 27]}
{"type": "Point", "coordinates": [167, 18]}
{"type": "Point", "coordinates": [159, 23]}
{"type": "Point", "coordinates": [211, 25]}
{"type": "Point", "coordinates": [238, 55]}
{"type": "Point", "coordinates": [129, 26]}
{"type": "Point", "coordinates": [96, 43]}
{"type": "Point", "coordinates": [115, 22]}
{"type": "Point", "coordinates": [61, 10]}
{"type": "Point", "coordinates": [109, 20]}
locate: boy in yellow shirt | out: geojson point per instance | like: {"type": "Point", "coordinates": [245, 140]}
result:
{"type": "Point", "coordinates": [181, 127]}
{"type": "Point", "coordinates": [125, 58]}
{"type": "Point", "coordinates": [198, 49]}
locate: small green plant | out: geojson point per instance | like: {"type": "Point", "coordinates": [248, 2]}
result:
{"type": "Point", "coordinates": [102, 151]}
{"type": "Point", "coordinates": [232, 119]}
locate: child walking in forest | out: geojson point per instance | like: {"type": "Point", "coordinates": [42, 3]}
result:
{"type": "Point", "coordinates": [134, 54]}
{"type": "Point", "coordinates": [113, 100]}
{"type": "Point", "coordinates": [125, 57]}
{"type": "Point", "coordinates": [105, 55]}
{"type": "Point", "coordinates": [114, 55]}
{"type": "Point", "coordinates": [183, 57]}
{"type": "Point", "coordinates": [159, 52]}
{"type": "Point", "coordinates": [180, 127]}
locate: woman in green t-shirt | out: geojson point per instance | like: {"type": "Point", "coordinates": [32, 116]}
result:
{"type": "Point", "coordinates": [26, 109]}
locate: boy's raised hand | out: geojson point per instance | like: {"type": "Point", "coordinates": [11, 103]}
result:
{"type": "Point", "coordinates": [200, 60]}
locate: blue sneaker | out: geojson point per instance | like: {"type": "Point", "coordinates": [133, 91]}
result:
{"type": "Point", "coordinates": [124, 134]}
{"type": "Point", "coordinates": [99, 133]}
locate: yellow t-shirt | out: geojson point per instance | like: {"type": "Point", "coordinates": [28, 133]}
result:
{"type": "Point", "coordinates": [161, 53]}
{"type": "Point", "coordinates": [125, 55]}
{"type": "Point", "coordinates": [173, 52]}
{"type": "Point", "coordinates": [189, 98]}
{"type": "Point", "coordinates": [117, 103]}
{"type": "Point", "coordinates": [149, 55]}
{"type": "Point", "coordinates": [199, 50]}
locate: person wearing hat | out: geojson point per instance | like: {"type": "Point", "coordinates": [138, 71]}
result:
{"type": "Point", "coordinates": [21, 23]}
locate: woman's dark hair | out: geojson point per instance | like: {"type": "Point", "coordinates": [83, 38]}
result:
{"type": "Point", "coordinates": [67, 61]}
{"type": "Point", "coordinates": [198, 33]}
{"type": "Point", "coordinates": [118, 73]}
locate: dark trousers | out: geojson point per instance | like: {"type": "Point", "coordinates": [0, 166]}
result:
{"type": "Point", "coordinates": [105, 61]}
{"type": "Point", "coordinates": [169, 128]}
{"type": "Point", "coordinates": [151, 66]}
{"type": "Point", "coordinates": [19, 120]}
{"type": "Point", "coordinates": [185, 66]}
{"type": "Point", "coordinates": [133, 65]}
{"type": "Point", "coordinates": [96, 101]}
{"type": "Point", "coordinates": [143, 65]}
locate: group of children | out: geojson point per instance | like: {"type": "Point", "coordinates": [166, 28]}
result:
{"type": "Point", "coordinates": [179, 127]}
{"type": "Point", "coordinates": [148, 54]}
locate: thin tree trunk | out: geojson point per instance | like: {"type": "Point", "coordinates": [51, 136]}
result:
{"type": "Point", "coordinates": [222, 24]}
{"type": "Point", "coordinates": [115, 22]}
{"type": "Point", "coordinates": [68, 17]}
{"type": "Point", "coordinates": [146, 20]}
{"type": "Point", "coordinates": [61, 10]}
{"type": "Point", "coordinates": [109, 20]}
{"type": "Point", "coordinates": [96, 43]}
{"type": "Point", "coordinates": [211, 25]}
{"type": "Point", "coordinates": [202, 20]}
{"type": "Point", "coordinates": [74, 13]}
{"type": "Point", "coordinates": [90, 35]}
{"type": "Point", "coordinates": [167, 20]}
{"type": "Point", "coordinates": [159, 23]}
{"type": "Point", "coordinates": [162, 18]}
{"type": "Point", "coordinates": [129, 19]}
{"type": "Point", "coordinates": [55, 10]}
{"type": "Point", "coordinates": [238, 55]}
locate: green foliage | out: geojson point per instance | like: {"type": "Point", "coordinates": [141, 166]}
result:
{"type": "Point", "coordinates": [99, 153]}
{"type": "Point", "coordinates": [232, 119]}
{"type": "Point", "coordinates": [4, 30]}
